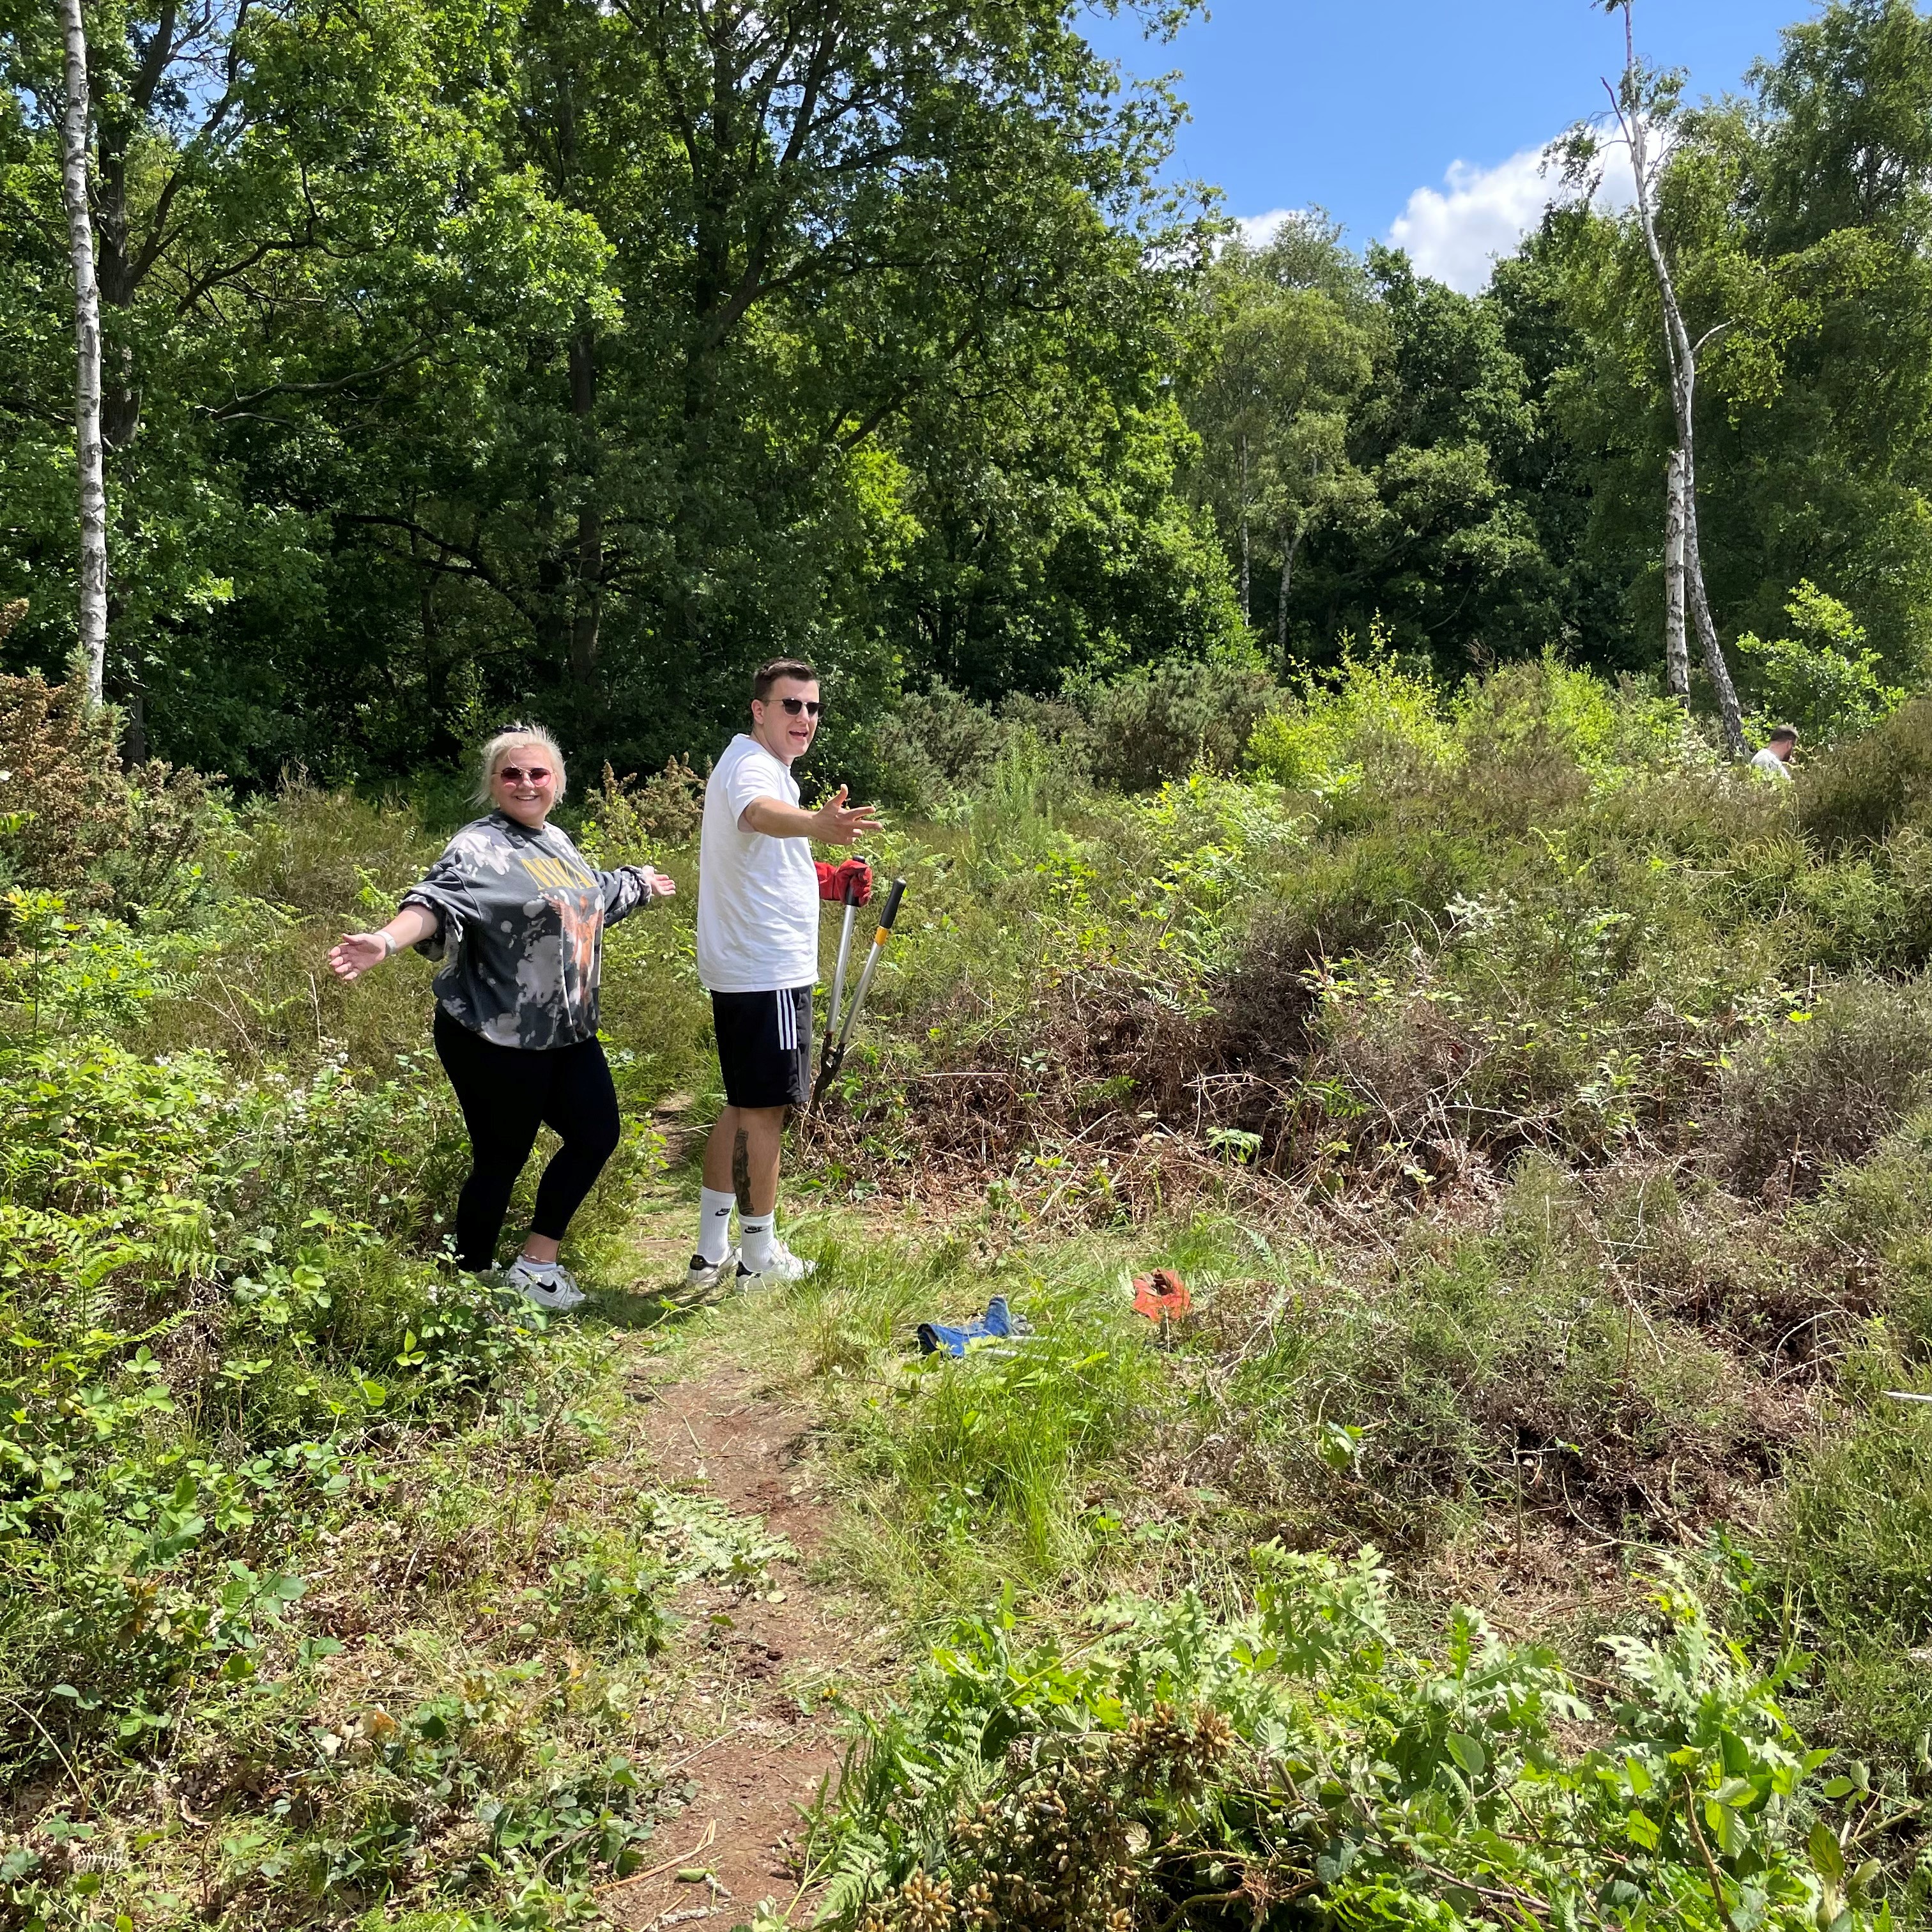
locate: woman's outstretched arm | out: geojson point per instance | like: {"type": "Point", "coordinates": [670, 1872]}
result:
{"type": "Point", "coordinates": [627, 887]}
{"type": "Point", "coordinates": [357, 952]}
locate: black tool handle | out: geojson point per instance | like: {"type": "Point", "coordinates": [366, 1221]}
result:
{"type": "Point", "coordinates": [850, 887]}
{"type": "Point", "coordinates": [891, 910]}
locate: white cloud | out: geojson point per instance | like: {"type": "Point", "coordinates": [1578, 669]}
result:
{"type": "Point", "coordinates": [1258, 230]}
{"type": "Point", "coordinates": [1456, 237]}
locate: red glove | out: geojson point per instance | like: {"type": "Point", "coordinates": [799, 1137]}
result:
{"type": "Point", "coordinates": [833, 879]}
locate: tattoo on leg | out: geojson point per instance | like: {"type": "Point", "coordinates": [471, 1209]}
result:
{"type": "Point", "coordinates": [741, 1171]}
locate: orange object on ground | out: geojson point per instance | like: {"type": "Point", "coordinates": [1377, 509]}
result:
{"type": "Point", "coordinates": [1160, 1296]}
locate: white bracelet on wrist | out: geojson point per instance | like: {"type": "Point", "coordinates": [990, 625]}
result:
{"type": "Point", "coordinates": [390, 949]}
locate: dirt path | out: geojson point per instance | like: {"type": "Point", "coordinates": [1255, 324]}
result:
{"type": "Point", "coordinates": [752, 1727]}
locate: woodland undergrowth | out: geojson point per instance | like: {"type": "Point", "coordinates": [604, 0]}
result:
{"type": "Point", "coordinates": [1524, 1524]}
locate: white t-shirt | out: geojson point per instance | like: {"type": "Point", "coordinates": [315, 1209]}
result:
{"type": "Point", "coordinates": [757, 896]}
{"type": "Point", "coordinates": [1768, 760]}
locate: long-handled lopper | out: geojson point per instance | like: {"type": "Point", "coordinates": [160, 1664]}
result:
{"type": "Point", "coordinates": [838, 1032]}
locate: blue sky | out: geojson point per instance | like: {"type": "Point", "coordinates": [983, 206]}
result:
{"type": "Point", "coordinates": [1417, 120]}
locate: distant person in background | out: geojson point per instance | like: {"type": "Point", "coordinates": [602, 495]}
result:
{"type": "Point", "coordinates": [517, 915]}
{"type": "Point", "coordinates": [758, 893]}
{"type": "Point", "coordinates": [1775, 758]}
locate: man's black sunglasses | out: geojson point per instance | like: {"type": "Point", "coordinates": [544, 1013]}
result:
{"type": "Point", "coordinates": [810, 707]}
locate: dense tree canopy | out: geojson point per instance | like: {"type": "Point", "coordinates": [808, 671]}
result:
{"type": "Point", "coordinates": [583, 356]}
{"type": "Point", "coordinates": [575, 355]}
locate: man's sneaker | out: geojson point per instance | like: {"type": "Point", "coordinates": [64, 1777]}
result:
{"type": "Point", "coordinates": [703, 1277]}
{"type": "Point", "coordinates": [781, 1265]}
{"type": "Point", "coordinates": [545, 1284]}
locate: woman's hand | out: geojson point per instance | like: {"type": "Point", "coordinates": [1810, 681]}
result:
{"type": "Point", "coordinates": [356, 952]}
{"type": "Point", "coordinates": [663, 885]}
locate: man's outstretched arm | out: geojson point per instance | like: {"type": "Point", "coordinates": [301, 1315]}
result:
{"type": "Point", "coordinates": [835, 823]}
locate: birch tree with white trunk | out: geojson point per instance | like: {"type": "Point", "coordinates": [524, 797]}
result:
{"type": "Point", "coordinates": [1633, 108]}
{"type": "Point", "coordinates": [1676, 652]}
{"type": "Point", "coordinates": [92, 647]}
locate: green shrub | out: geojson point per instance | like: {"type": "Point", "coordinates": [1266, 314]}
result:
{"type": "Point", "coordinates": [1159, 724]}
{"type": "Point", "coordinates": [1370, 724]}
{"type": "Point", "coordinates": [139, 844]}
{"type": "Point", "coordinates": [1861, 790]}
{"type": "Point", "coordinates": [627, 823]}
{"type": "Point", "coordinates": [1825, 681]}
{"type": "Point", "coordinates": [1819, 1087]}
{"type": "Point", "coordinates": [1177, 1764]}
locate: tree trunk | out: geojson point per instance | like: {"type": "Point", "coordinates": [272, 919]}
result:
{"type": "Point", "coordinates": [120, 269]}
{"type": "Point", "coordinates": [1676, 652]}
{"type": "Point", "coordinates": [588, 604]}
{"type": "Point", "coordinates": [1682, 358]}
{"type": "Point", "coordinates": [587, 617]}
{"type": "Point", "coordinates": [1247, 612]}
{"type": "Point", "coordinates": [117, 284]}
{"type": "Point", "coordinates": [1729, 709]}
{"type": "Point", "coordinates": [92, 648]}
{"type": "Point", "coordinates": [1281, 606]}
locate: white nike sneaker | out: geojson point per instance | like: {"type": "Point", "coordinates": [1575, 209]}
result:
{"type": "Point", "coordinates": [703, 1277]}
{"type": "Point", "coordinates": [781, 1266]}
{"type": "Point", "coordinates": [548, 1286]}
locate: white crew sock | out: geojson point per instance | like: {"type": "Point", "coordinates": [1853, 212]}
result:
{"type": "Point", "coordinates": [714, 1224]}
{"type": "Point", "coordinates": [754, 1234]}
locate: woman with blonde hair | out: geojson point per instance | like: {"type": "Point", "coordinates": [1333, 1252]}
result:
{"type": "Point", "coordinates": [516, 915]}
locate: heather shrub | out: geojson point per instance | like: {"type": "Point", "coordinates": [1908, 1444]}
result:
{"type": "Point", "coordinates": [1858, 792]}
{"type": "Point", "coordinates": [316, 851]}
{"type": "Point", "coordinates": [1818, 1086]}
{"type": "Point", "coordinates": [1156, 725]}
{"type": "Point", "coordinates": [1489, 1370]}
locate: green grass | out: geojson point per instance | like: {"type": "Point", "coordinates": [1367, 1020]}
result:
{"type": "Point", "coordinates": [1011, 1468]}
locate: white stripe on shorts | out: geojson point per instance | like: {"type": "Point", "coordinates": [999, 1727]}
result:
{"type": "Point", "coordinates": [787, 1021]}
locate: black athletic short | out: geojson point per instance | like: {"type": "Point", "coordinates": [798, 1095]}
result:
{"type": "Point", "coordinates": [764, 1046]}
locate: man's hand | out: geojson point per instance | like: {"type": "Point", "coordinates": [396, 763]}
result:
{"type": "Point", "coordinates": [835, 823]}
{"type": "Point", "coordinates": [835, 880]}
{"type": "Point", "coordinates": [663, 885]}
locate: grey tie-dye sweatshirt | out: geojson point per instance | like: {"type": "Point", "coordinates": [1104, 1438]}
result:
{"type": "Point", "coordinates": [519, 929]}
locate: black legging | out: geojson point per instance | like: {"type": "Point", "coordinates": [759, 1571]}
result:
{"type": "Point", "coordinates": [505, 1092]}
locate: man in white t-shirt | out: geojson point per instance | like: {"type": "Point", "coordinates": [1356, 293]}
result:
{"type": "Point", "coordinates": [1775, 758]}
{"type": "Point", "coordinates": [758, 894]}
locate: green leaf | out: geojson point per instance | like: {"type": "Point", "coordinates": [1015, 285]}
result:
{"type": "Point", "coordinates": [1826, 1854]}
{"type": "Point", "coordinates": [1733, 1834]}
